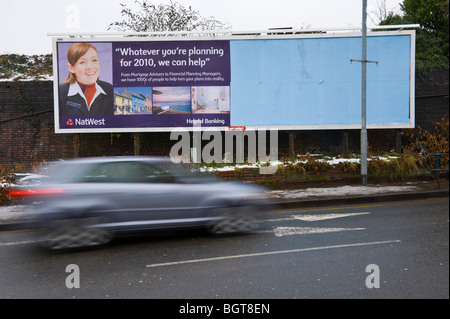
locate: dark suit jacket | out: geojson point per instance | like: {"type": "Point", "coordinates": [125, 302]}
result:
{"type": "Point", "coordinates": [76, 105]}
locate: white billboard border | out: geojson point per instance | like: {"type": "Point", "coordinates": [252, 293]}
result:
{"type": "Point", "coordinates": [244, 35]}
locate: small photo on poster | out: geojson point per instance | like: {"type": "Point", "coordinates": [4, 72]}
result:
{"type": "Point", "coordinates": [210, 99]}
{"type": "Point", "coordinates": [133, 100]}
{"type": "Point", "coordinates": [171, 100]}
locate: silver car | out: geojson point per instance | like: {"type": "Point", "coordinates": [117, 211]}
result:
{"type": "Point", "coordinates": [86, 202]}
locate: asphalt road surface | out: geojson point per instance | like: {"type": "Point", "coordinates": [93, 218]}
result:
{"type": "Point", "coordinates": [388, 250]}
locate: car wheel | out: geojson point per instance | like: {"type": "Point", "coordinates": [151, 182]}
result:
{"type": "Point", "coordinates": [228, 220]}
{"type": "Point", "coordinates": [76, 233]}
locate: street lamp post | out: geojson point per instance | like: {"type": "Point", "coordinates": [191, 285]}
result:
{"type": "Point", "coordinates": [363, 97]}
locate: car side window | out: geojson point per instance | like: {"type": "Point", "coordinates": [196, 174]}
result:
{"type": "Point", "coordinates": [127, 172]}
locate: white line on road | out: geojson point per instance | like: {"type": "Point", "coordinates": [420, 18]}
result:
{"type": "Point", "coordinates": [288, 231]}
{"type": "Point", "coordinates": [313, 218]}
{"type": "Point", "coordinates": [18, 243]}
{"type": "Point", "coordinates": [182, 262]}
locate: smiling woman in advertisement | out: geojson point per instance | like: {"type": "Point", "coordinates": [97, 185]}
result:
{"type": "Point", "coordinates": [82, 93]}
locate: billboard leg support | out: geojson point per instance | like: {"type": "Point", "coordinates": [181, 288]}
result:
{"type": "Point", "coordinates": [76, 145]}
{"type": "Point", "coordinates": [398, 141]}
{"type": "Point", "coordinates": [137, 143]}
{"type": "Point", "coordinates": [345, 149]}
{"type": "Point", "coordinates": [291, 143]}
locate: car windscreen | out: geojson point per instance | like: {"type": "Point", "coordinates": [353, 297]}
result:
{"type": "Point", "coordinates": [64, 172]}
{"type": "Point", "coordinates": [124, 172]}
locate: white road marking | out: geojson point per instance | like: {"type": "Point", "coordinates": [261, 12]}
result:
{"type": "Point", "coordinates": [18, 243]}
{"type": "Point", "coordinates": [288, 231]}
{"type": "Point", "coordinates": [192, 261]}
{"type": "Point", "coordinates": [313, 218]}
{"type": "Point", "coordinates": [278, 231]}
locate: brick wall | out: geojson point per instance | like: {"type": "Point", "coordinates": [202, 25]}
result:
{"type": "Point", "coordinates": [24, 139]}
{"type": "Point", "coordinates": [27, 127]}
{"type": "Point", "coordinates": [431, 98]}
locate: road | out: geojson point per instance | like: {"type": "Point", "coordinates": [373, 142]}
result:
{"type": "Point", "coordinates": [388, 250]}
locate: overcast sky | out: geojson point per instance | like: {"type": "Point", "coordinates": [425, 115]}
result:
{"type": "Point", "coordinates": [24, 24]}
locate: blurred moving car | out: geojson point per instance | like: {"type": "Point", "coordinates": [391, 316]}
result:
{"type": "Point", "coordinates": [86, 202]}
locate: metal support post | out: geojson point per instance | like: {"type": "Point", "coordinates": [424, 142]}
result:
{"type": "Point", "coordinates": [363, 97]}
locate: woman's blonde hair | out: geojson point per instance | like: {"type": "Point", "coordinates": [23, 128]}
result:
{"type": "Point", "coordinates": [75, 52]}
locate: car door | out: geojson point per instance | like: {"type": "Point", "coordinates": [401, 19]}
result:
{"type": "Point", "coordinates": [140, 195]}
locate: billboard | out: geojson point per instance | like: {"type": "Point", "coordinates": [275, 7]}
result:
{"type": "Point", "coordinates": [139, 84]}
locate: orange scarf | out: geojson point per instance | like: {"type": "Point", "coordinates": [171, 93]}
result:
{"type": "Point", "coordinates": [89, 91]}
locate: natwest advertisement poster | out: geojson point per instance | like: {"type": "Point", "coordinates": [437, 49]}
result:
{"type": "Point", "coordinates": [143, 85]}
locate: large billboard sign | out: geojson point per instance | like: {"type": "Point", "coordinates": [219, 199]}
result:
{"type": "Point", "coordinates": [139, 84]}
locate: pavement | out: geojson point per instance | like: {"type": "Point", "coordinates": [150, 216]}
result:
{"type": "Point", "coordinates": [372, 193]}
{"type": "Point", "coordinates": [18, 217]}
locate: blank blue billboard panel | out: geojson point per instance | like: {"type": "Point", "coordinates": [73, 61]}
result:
{"type": "Point", "coordinates": [313, 82]}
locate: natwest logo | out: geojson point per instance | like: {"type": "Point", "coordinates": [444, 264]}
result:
{"type": "Point", "coordinates": [69, 122]}
{"type": "Point", "coordinates": [90, 122]}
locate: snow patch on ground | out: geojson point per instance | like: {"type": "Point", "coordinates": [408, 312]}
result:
{"type": "Point", "coordinates": [14, 213]}
{"type": "Point", "coordinates": [340, 191]}
{"type": "Point", "coordinates": [331, 161]}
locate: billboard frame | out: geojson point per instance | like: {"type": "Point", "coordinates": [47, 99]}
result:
{"type": "Point", "coordinates": [236, 36]}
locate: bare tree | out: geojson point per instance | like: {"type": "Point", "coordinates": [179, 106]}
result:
{"type": "Point", "coordinates": [160, 17]}
{"type": "Point", "coordinates": [381, 13]}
